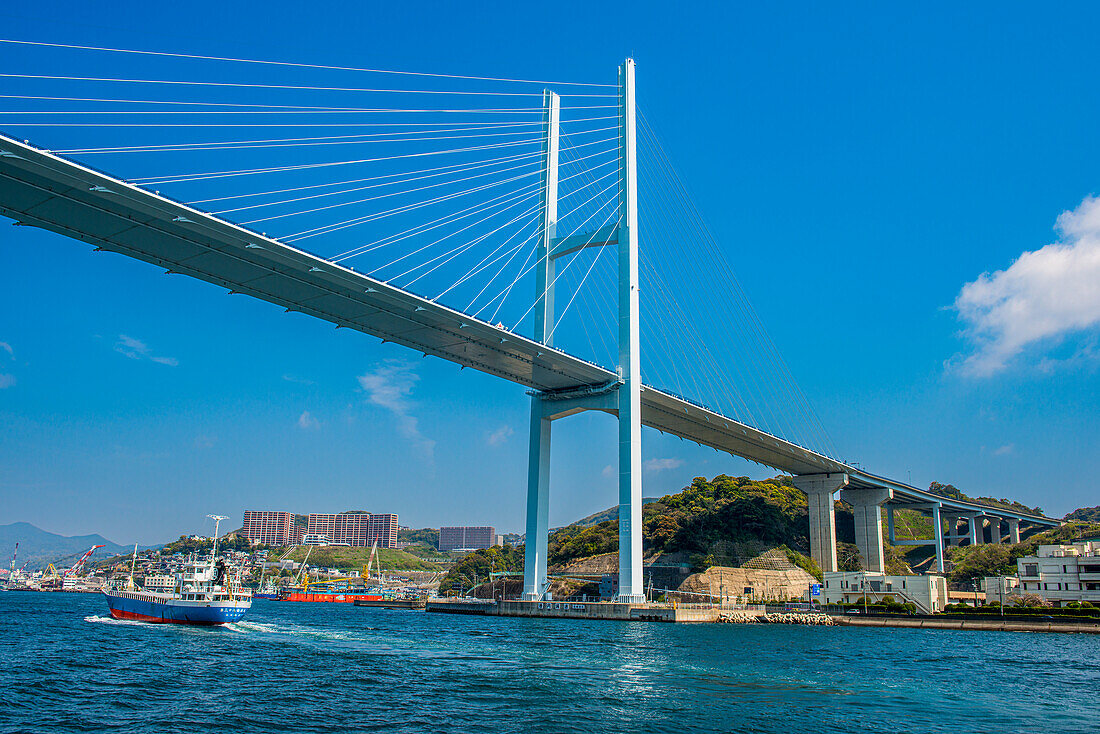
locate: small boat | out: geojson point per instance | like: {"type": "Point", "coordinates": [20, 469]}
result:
{"type": "Point", "coordinates": [205, 593]}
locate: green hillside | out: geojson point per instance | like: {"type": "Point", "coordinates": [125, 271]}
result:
{"type": "Point", "coordinates": [723, 521]}
{"type": "Point", "coordinates": [475, 567]}
{"type": "Point", "coordinates": [353, 559]}
{"type": "Point", "coordinates": [1087, 514]}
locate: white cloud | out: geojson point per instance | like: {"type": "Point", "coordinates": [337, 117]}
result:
{"type": "Point", "coordinates": [205, 442]}
{"type": "Point", "coordinates": [137, 349]}
{"type": "Point", "coordinates": [1043, 297]}
{"type": "Point", "coordinates": [390, 386]}
{"type": "Point", "coordinates": [6, 380]}
{"type": "Point", "coordinates": [499, 436]}
{"type": "Point", "coordinates": [662, 464]}
{"type": "Point", "coordinates": [609, 470]}
{"type": "Point", "coordinates": [1005, 450]}
{"type": "Point", "coordinates": [307, 422]}
{"type": "Point", "coordinates": [7, 348]}
{"type": "Point", "coordinates": [297, 380]}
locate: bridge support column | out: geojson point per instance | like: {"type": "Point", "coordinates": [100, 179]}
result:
{"type": "Point", "coordinates": [820, 490]}
{"type": "Point", "coordinates": [977, 534]}
{"type": "Point", "coordinates": [937, 535]}
{"type": "Point", "coordinates": [631, 585]}
{"type": "Point", "coordinates": [995, 530]}
{"type": "Point", "coordinates": [867, 511]}
{"type": "Point", "coordinates": [1013, 531]}
{"type": "Point", "coordinates": [952, 535]}
{"type": "Point", "coordinates": [538, 461]}
{"type": "Point", "coordinates": [538, 505]}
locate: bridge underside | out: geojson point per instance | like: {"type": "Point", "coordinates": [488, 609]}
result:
{"type": "Point", "coordinates": [43, 190]}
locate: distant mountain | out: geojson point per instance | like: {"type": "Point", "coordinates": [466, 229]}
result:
{"type": "Point", "coordinates": [38, 547]}
{"type": "Point", "coordinates": [611, 513]}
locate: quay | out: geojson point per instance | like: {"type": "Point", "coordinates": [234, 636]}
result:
{"type": "Point", "coordinates": [625, 612]}
{"type": "Point", "coordinates": [969, 622]}
{"type": "Point", "coordinates": [697, 613]}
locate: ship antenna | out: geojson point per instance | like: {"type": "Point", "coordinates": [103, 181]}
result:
{"type": "Point", "coordinates": [217, 520]}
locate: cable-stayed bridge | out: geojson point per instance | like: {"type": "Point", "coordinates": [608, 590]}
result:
{"type": "Point", "coordinates": [494, 256]}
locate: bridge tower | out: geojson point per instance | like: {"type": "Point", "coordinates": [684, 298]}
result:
{"type": "Point", "coordinates": [621, 397]}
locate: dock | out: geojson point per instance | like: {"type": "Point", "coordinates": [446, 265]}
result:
{"type": "Point", "coordinates": [614, 611]}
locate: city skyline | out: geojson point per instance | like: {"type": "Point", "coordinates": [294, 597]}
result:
{"type": "Point", "coordinates": [133, 404]}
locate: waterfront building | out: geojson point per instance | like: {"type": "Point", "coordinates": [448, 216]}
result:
{"type": "Point", "coordinates": [1062, 573]}
{"type": "Point", "coordinates": [467, 537]}
{"type": "Point", "coordinates": [1000, 589]}
{"type": "Point", "coordinates": [928, 593]}
{"type": "Point", "coordinates": [269, 528]}
{"type": "Point", "coordinates": [358, 529]}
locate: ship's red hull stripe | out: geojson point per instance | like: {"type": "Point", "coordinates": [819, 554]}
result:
{"type": "Point", "coordinates": [122, 614]}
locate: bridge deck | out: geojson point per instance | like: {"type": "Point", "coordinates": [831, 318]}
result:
{"type": "Point", "coordinates": [43, 190]}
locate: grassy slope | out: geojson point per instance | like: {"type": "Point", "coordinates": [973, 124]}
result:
{"type": "Point", "coordinates": [353, 559]}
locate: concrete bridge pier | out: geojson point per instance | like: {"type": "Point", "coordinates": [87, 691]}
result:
{"type": "Point", "coordinates": [867, 511]}
{"type": "Point", "coordinates": [937, 534]}
{"type": "Point", "coordinates": [995, 530]}
{"type": "Point", "coordinates": [1013, 531]}
{"type": "Point", "coordinates": [953, 536]}
{"type": "Point", "coordinates": [977, 529]}
{"type": "Point", "coordinates": [820, 491]}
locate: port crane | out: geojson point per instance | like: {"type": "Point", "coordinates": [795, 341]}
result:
{"type": "Point", "coordinates": [77, 568]}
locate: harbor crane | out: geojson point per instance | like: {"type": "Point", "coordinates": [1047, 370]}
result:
{"type": "Point", "coordinates": [77, 568]}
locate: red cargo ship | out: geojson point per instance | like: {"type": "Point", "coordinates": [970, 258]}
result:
{"type": "Point", "coordinates": [346, 596]}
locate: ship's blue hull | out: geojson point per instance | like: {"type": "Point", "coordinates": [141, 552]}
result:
{"type": "Point", "coordinates": [137, 606]}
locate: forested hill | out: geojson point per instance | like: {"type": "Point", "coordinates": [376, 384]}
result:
{"type": "Point", "coordinates": [1086, 514]}
{"type": "Point", "coordinates": [950, 490]}
{"type": "Point", "coordinates": [722, 521]}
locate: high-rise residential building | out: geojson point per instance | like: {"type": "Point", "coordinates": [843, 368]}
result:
{"type": "Point", "coordinates": [355, 528]}
{"type": "Point", "coordinates": [467, 537]}
{"type": "Point", "coordinates": [269, 528]}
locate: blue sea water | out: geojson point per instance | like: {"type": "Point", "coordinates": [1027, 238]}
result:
{"type": "Point", "coordinates": [65, 666]}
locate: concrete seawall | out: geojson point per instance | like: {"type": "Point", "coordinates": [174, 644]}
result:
{"type": "Point", "coordinates": [995, 624]}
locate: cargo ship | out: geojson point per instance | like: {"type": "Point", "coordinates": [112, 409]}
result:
{"type": "Point", "coordinates": [204, 594]}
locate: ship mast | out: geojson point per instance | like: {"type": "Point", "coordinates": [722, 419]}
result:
{"type": "Point", "coordinates": [217, 520]}
{"type": "Point", "coordinates": [133, 563]}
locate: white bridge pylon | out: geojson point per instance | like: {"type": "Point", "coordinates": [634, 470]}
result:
{"type": "Point", "coordinates": [621, 397]}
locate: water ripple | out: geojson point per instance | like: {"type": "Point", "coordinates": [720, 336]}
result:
{"type": "Point", "coordinates": [69, 667]}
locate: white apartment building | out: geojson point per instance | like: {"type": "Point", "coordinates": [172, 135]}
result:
{"type": "Point", "coordinates": [928, 593]}
{"type": "Point", "coordinates": [1062, 573]}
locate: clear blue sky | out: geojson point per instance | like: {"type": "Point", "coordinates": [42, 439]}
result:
{"type": "Point", "coordinates": [875, 176]}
